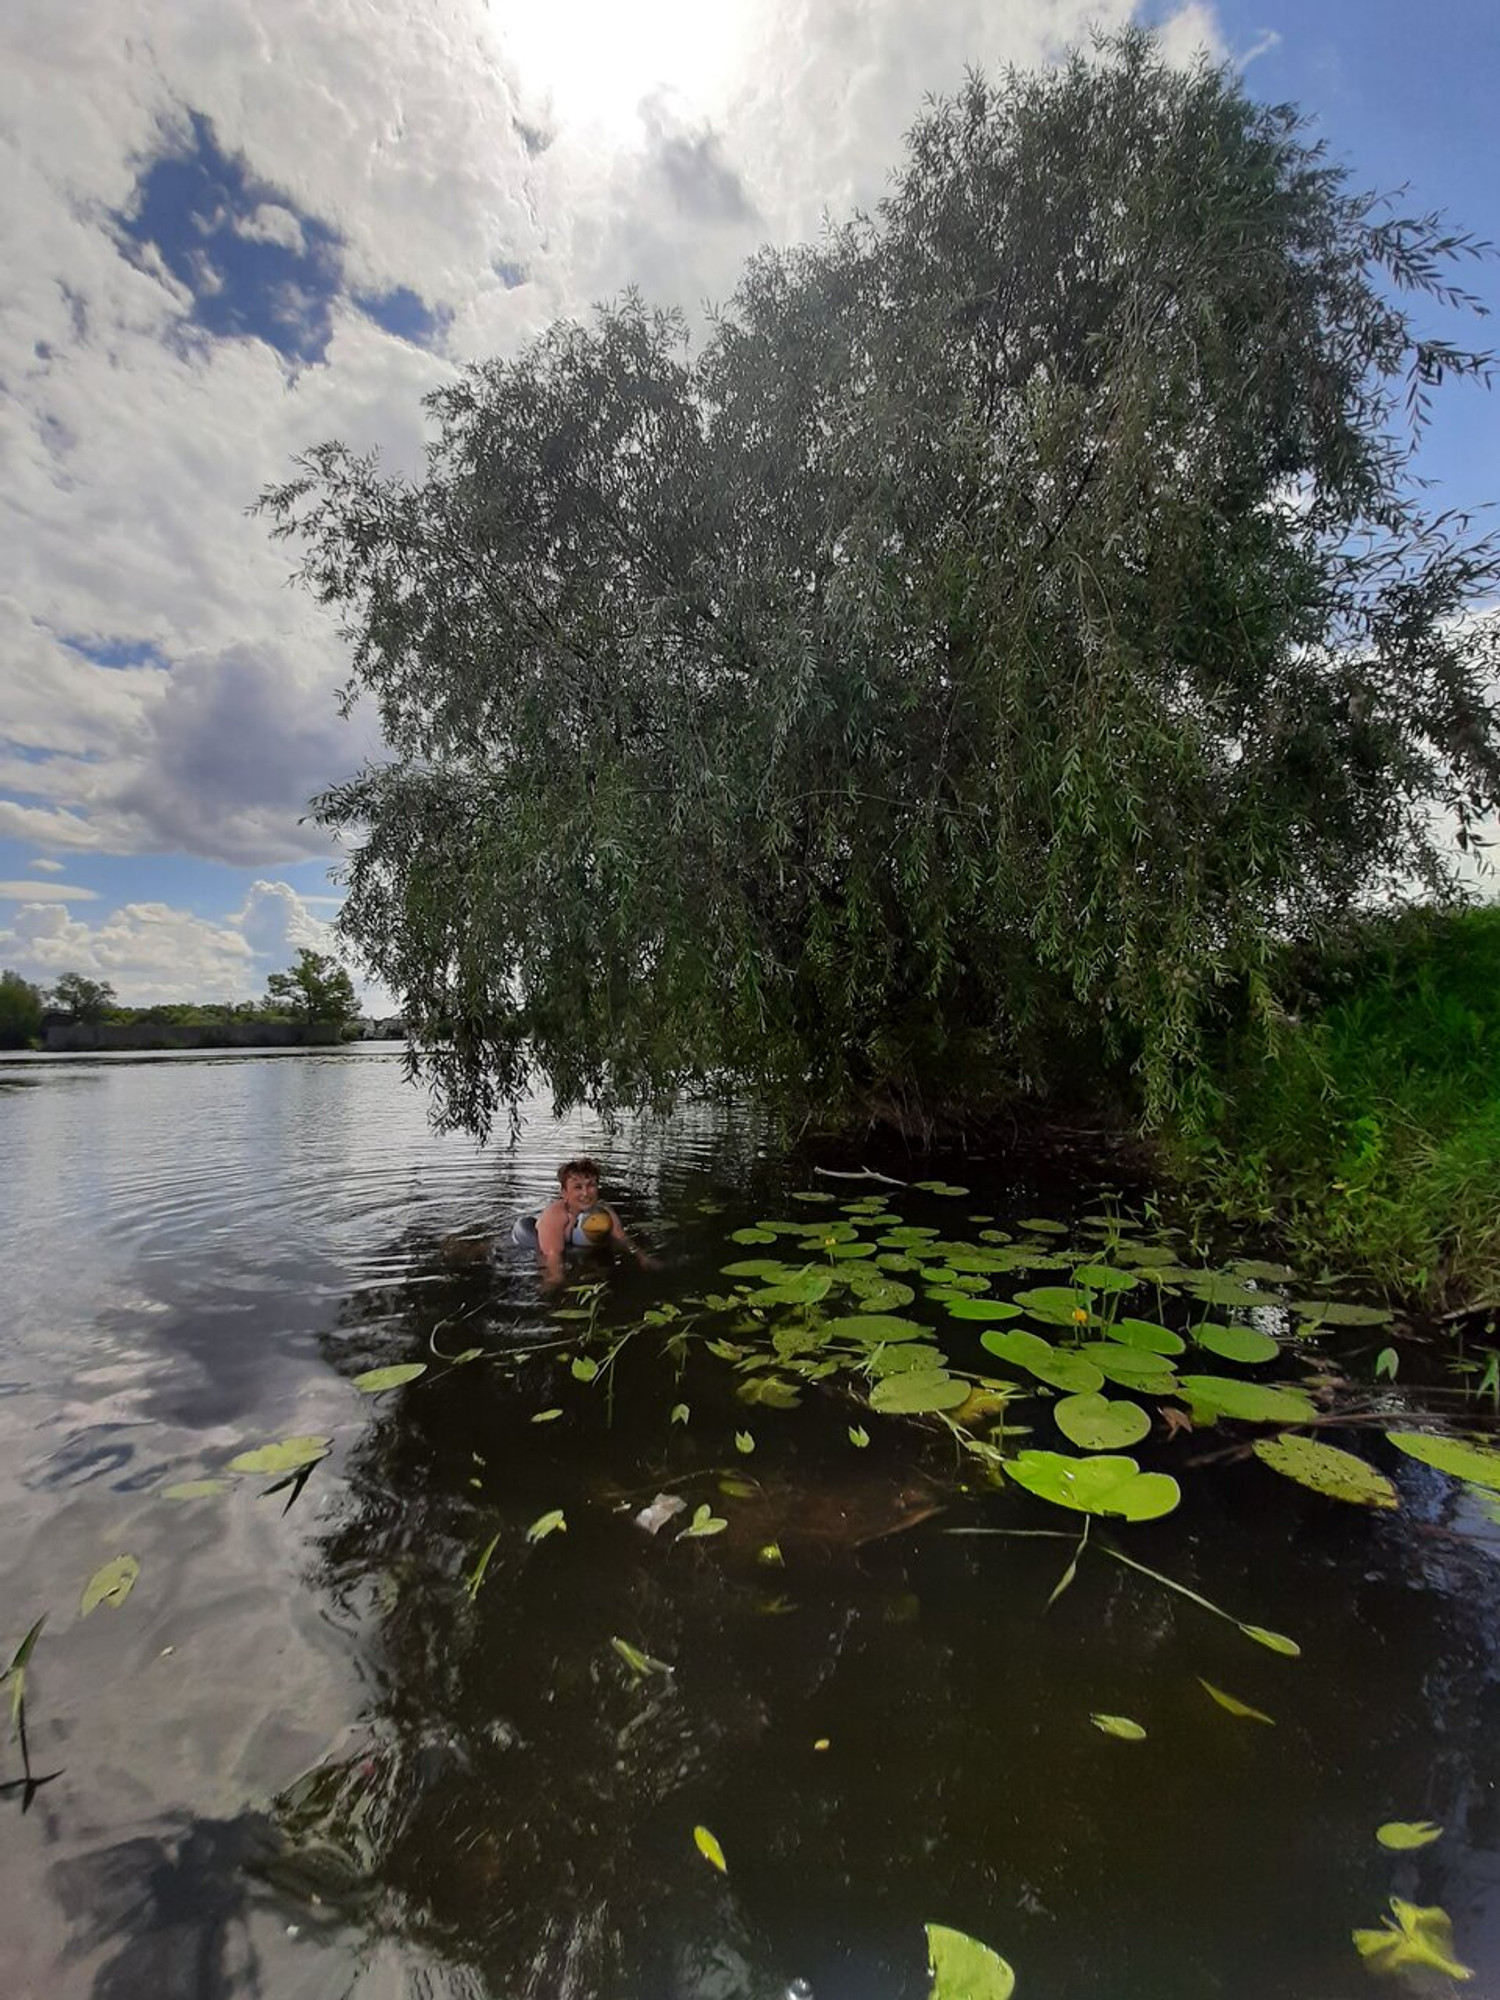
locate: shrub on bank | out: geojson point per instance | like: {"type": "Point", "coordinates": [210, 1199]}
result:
{"type": "Point", "coordinates": [1369, 1130]}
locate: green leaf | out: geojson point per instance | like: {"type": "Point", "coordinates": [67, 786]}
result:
{"type": "Point", "coordinates": [1105, 1278]}
{"type": "Point", "coordinates": [15, 1673]}
{"type": "Point", "coordinates": [1402, 1835]}
{"type": "Point", "coordinates": [547, 1524]}
{"type": "Point", "coordinates": [1233, 1705]}
{"type": "Point", "coordinates": [704, 1841]}
{"type": "Point", "coordinates": [1274, 1642]}
{"type": "Point", "coordinates": [546, 1416]}
{"type": "Point", "coordinates": [1477, 1463]}
{"type": "Point", "coordinates": [1146, 1335]}
{"type": "Point", "coordinates": [744, 1443]}
{"type": "Point", "coordinates": [1326, 1469]}
{"type": "Point", "coordinates": [769, 1391]}
{"type": "Point", "coordinates": [1130, 1367]}
{"type": "Point", "coordinates": [940, 1187]}
{"type": "Point", "coordinates": [813, 1195]}
{"type": "Point", "coordinates": [289, 1455]}
{"type": "Point", "coordinates": [704, 1522]}
{"type": "Point", "coordinates": [964, 1969]}
{"type": "Point", "coordinates": [1105, 1484]}
{"type": "Point", "coordinates": [917, 1392]}
{"type": "Point", "coordinates": [1236, 1343]}
{"type": "Point", "coordinates": [874, 1326]}
{"type": "Point", "coordinates": [752, 1236]}
{"type": "Point", "coordinates": [112, 1583]}
{"type": "Point", "coordinates": [904, 1357]}
{"type": "Point", "coordinates": [1419, 1936]}
{"type": "Point", "coordinates": [1121, 1726]}
{"type": "Point", "coordinates": [680, 1413]}
{"type": "Point", "coordinates": [1058, 1305]}
{"type": "Point", "coordinates": [638, 1662]}
{"type": "Point", "coordinates": [1339, 1312]}
{"type": "Point", "coordinates": [195, 1489]}
{"type": "Point", "coordinates": [1040, 1226]}
{"type": "Point", "coordinates": [857, 1437]}
{"type": "Point", "coordinates": [1062, 1368]}
{"type": "Point", "coordinates": [476, 1575]}
{"type": "Point", "coordinates": [584, 1369]}
{"type": "Point", "coordinates": [1097, 1424]}
{"type": "Point", "coordinates": [760, 1267]}
{"type": "Point", "coordinates": [1215, 1396]}
{"type": "Point", "coordinates": [1217, 1289]}
{"type": "Point", "coordinates": [990, 1309]}
{"type": "Point", "coordinates": [375, 1381]}
{"type": "Point", "coordinates": [880, 1294]}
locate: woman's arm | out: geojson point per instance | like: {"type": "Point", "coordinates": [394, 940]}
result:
{"type": "Point", "coordinates": [618, 1235]}
{"type": "Point", "coordinates": [551, 1240]}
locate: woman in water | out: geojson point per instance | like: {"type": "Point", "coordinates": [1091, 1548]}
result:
{"type": "Point", "coordinates": [577, 1220]}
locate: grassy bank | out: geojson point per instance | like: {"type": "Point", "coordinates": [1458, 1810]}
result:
{"type": "Point", "coordinates": [1371, 1134]}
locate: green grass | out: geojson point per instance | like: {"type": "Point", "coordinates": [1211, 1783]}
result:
{"type": "Point", "coordinates": [1370, 1134]}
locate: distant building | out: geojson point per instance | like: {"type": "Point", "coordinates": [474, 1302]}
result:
{"type": "Point", "coordinates": [373, 1028]}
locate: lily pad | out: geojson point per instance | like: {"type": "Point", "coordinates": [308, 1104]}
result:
{"type": "Point", "coordinates": [940, 1187]}
{"type": "Point", "coordinates": [1147, 1335]}
{"type": "Point", "coordinates": [1417, 1936]}
{"type": "Point", "coordinates": [1477, 1463]}
{"type": "Point", "coordinates": [1215, 1396]}
{"type": "Point", "coordinates": [1236, 1343]}
{"type": "Point", "coordinates": [918, 1392]}
{"type": "Point", "coordinates": [1058, 1305]}
{"type": "Point", "coordinates": [375, 1381]}
{"type": "Point", "coordinates": [1104, 1278]}
{"type": "Point", "coordinates": [1326, 1469]}
{"type": "Point", "coordinates": [881, 1294]}
{"type": "Point", "coordinates": [1041, 1225]}
{"type": "Point", "coordinates": [1404, 1835]}
{"type": "Point", "coordinates": [1061, 1368]}
{"type": "Point", "coordinates": [710, 1849]}
{"type": "Point", "coordinates": [1122, 1726]}
{"type": "Point", "coordinates": [770, 1391]}
{"type": "Point", "coordinates": [990, 1309]}
{"type": "Point", "coordinates": [1131, 1367]}
{"type": "Point", "coordinates": [752, 1235]}
{"type": "Point", "coordinates": [904, 1357]}
{"type": "Point", "coordinates": [1264, 1273]}
{"type": "Point", "coordinates": [873, 1326]}
{"type": "Point", "coordinates": [760, 1267]}
{"type": "Point", "coordinates": [1099, 1485]}
{"type": "Point", "coordinates": [964, 1969]}
{"type": "Point", "coordinates": [704, 1522]}
{"type": "Point", "coordinates": [288, 1455]}
{"type": "Point", "coordinates": [1094, 1423]}
{"type": "Point", "coordinates": [1340, 1312]}
{"type": "Point", "coordinates": [112, 1583]}
{"type": "Point", "coordinates": [1217, 1288]}
{"type": "Point", "coordinates": [195, 1489]}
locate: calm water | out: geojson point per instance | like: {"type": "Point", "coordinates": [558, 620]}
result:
{"type": "Point", "coordinates": [302, 1759]}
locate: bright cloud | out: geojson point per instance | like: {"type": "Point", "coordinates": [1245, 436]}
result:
{"type": "Point", "coordinates": [45, 892]}
{"type": "Point", "coordinates": [47, 866]}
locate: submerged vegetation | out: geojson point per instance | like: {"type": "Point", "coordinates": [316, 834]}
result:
{"type": "Point", "coordinates": [959, 676]}
{"type": "Point", "coordinates": [1368, 1128]}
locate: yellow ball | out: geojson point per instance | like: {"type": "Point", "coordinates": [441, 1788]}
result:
{"type": "Point", "coordinates": [596, 1227]}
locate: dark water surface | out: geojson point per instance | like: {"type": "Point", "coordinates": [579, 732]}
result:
{"type": "Point", "coordinates": [301, 1759]}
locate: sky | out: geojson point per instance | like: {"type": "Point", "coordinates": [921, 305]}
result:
{"type": "Point", "coordinates": [231, 230]}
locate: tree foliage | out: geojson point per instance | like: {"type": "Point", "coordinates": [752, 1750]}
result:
{"type": "Point", "coordinates": [20, 1011]}
{"type": "Point", "coordinates": [1016, 616]}
{"type": "Point", "coordinates": [316, 989]}
{"type": "Point", "coordinates": [85, 999]}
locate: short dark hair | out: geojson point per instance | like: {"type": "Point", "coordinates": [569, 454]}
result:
{"type": "Point", "coordinates": [570, 1167]}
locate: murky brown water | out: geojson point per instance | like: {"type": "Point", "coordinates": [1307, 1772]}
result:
{"type": "Point", "coordinates": [303, 1759]}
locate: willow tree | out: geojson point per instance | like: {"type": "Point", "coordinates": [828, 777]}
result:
{"type": "Point", "coordinates": [963, 668]}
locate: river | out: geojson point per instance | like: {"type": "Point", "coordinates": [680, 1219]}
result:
{"type": "Point", "coordinates": [393, 1728]}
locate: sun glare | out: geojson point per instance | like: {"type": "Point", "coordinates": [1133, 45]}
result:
{"type": "Point", "coordinates": [597, 60]}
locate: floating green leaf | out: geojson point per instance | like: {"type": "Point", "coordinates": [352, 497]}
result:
{"type": "Point", "coordinates": [990, 1309]}
{"type": "Point", "coordinates": [1402, 1835]}
{"type": "Point", "coordinates": [680, 1413]}
{"type": "Point", "coordinates": [1419, 1936]}
{"type": "Point", "coordinates": [1263, 1273]}
{"type": "Point", "coordinates": [375, 1381]}
{"type": "Point", "coordinates": [940, 1187]}
{"type": "Point", "coordinates": [1104, 1278]}
{"type": "Point", "coordinates": [918, 1392]}
{"type": "Point", "coordinates": [1095, 1423]}
{"type": "Point", "coordinates": [1215, 1396]}
{"type": "Point", "coordinates": [1234, 1706]}
{"type": "Point", "coordinates": [289, 1455]}
{"type": "Point", "coordinates": [1131, 1367]}
{"type": "Point", "coordinates": [1059, 1305]}
{"type": "Point", "coordinates": [769, 1391]}
{"type": "Point", "coordinates": [744, 1443]}
{"type": "Point", "coordinates": [875, 1326]}
{"type": "Point", "coordinates": [1477, 1463]}
{"type": "Point", "coordinates": [1236, 1343]}
{"type": "Point", "coordinates": [752, 1235]}
{"type": "Point", "coordinates": [1274, 1642]}
{"type": "Point", "coordinates": [1341, 1312]}
{"type": "Point", "coordinates": [1106, 1484]}
{"type": "Point", "coordinates": [1040, 1226]}
{"type": "Point", "coordinates": [1146, 1335]}
{"type": "Point", "coordinates": [1387, 1361]}
{"type": "Point", "coordinates": [880, 1294]}
{"type": "Point", "coordinates": [552, 1523]}
{"type": "Point", "coordinates": [112, 1583]}
{"type": "Point", "coordinates": [584, 1369]}
{"type": "Point", "coordinates": [858, 1437]}
{"type": "Point", "coordinates": [761, 1267]}
{"type": "Point", "coordinates": [1121, 1726]}
{"type": "Point", "coordinates": [1216, 1289]}
{"type": "Point", "coordinates": [195, 1489]}
{"type": "Point", "coordinates": [476, 1575]}
{"type": "Point", "coordinates": [1061, 1368]}
{"type": "Point", "coordinates": [903, 1356]}
{"type": "Point", "coordinates": [546, 1416]}
{"type": "Point", "coordinates": [638, 1662]}
{"type": "Point", "coordinates": [964, 1969]}
{"type": "Point", "coordinates": [704, 1522]}
{"type": "Point", "coordinates": [814, 1195]}
{"type": "Point", "coordinates": [704, 1841]}
{"type": "Point", "coordinates": [15, 1673]}
{"type": "Point", "coordinates": [1326, 1469]}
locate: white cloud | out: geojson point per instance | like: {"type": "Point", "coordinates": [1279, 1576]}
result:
{"type": "Point", "coordinates": [271, 223]}
{"type": "Point", "coordinates": [45, 892]}
{"type": "Point", "coordinates": [47, 866]}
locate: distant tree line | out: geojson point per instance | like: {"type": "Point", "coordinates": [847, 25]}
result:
{"type": "Point", "coordinates": [315, 992]}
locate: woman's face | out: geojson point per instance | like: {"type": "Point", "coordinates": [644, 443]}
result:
{"type": "Point", "coordinates": [580, 1190]}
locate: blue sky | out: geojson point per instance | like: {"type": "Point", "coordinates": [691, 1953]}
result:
{"type": "Point", "coordinates": [223, 247]}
